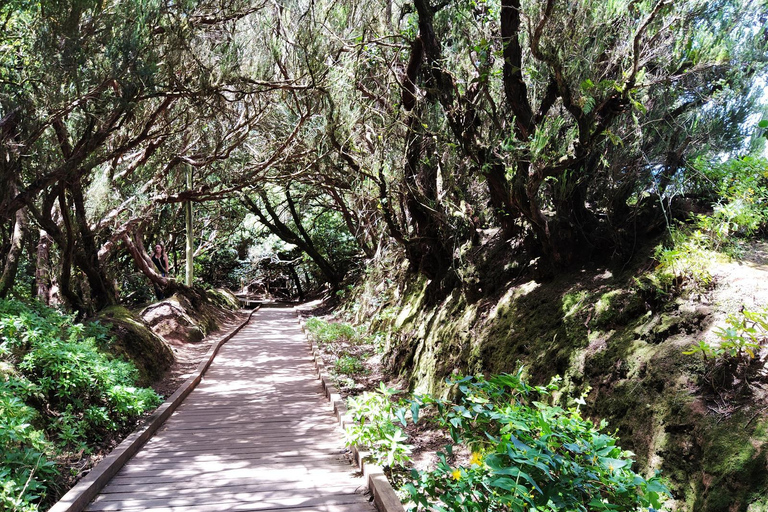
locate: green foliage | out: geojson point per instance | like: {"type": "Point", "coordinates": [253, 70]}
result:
{"type": "Point", "coordinates": [24, 466]}
{"type": "Point", "coordinates": [528, 455]}
{"type": "Point", "coordinates": [218, 268]}
{"type": "Point", "coordinates": [739, 187]}
{"type": "Point", "coordinates": [684, 266]}
{"type": "Point", "coordinates": [378, 426]}
{"type": "Point", "coordinates": [135, 289]}
{"type": "Point", "coordinates": [331, 332]}
{"type": "Point", "coordinates": [525, 454]}
{"type": "Point", "coordinates": [50, 363]}
{"type": "Point", "coordinates": [348, 365]}
{"type": "Point", "coordinates": [735, 360]}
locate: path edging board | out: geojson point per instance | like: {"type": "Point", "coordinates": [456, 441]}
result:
{"type": "Point", "coordinates": [79, 496]}
{"type": "Point", "coordinates": [384, 497]}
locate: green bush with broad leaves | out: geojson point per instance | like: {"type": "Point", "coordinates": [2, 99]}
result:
{"type": "Point", "coordinates": [59, 391]}
{"type": "Point", "coordinates": [349, 365]}
{"type": "Point", "coordinates": [526, 455]}
{"type": "Point", "coordinates": [377, 425]}
{"type": "Point", "coordinates": [684, 265]}
{"type": "Point", "coordinates": [330, 332]}
{"type": "Point", "coordinates": [738, 189]}
{"type": "Point", "coordinates": [731, 365]}
{"type": "Point", "coordinates": [24, 465]}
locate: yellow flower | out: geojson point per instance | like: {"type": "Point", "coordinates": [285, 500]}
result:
{"type": "Point", "coordinates": [476, 458]}
{"type": "Point", "coordinates": [456, 474]}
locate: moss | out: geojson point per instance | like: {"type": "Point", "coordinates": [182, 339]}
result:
{"type": "Point", "coordinates": [6, 370]}
{"type": "Point", "coordinates": [223, 298]}
{"type": "Point", "coordinates": [761, 505]}
{"type": "Point", "coordinates": [136, 342]}
{"type": "Point", "coordinates": [599, 335]}
{"type": "Point", "coordinates": [573, 302]}
{"type": "Point", "coordinates": [411, 307]}
{"type": "Point", "coordinates": [733, 462]}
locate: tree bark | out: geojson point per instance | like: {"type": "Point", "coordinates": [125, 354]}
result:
{"type": "Point", "coordinates": [42, 269]}
{"type": "Point", "coordinates": [12, 259]}
{"type": "Point", "coordinates": [296, 281]}
{"type": "Point", "coordinates": [190, 238]}
{"type": "Point", "coordinates": [303, 242]}
{"type": "Point", "coordinates": [102, 292]}
{"type": "Point", "coordinates": [68, 249]}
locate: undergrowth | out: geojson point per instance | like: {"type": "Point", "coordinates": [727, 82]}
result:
{"type": "Point", "coordinates": [60, 391]}
{"type": "Point", "coordinates": [346, 351]}
{"type": "Point", "coordinates": [739, 212]}
{"type": "Point", "coordinates": [735, 361]}
{"type": "Point", "coordinates": [526, 454]}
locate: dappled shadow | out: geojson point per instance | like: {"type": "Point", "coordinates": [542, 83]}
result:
{"type": "Point", "coordinates": [257, 433]}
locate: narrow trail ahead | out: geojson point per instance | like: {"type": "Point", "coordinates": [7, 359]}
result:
{"type": "Point", "coordinates": [256, 434]}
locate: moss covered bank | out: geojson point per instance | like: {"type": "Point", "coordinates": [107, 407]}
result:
{"type": "Point", "coordinates": [608, 341]}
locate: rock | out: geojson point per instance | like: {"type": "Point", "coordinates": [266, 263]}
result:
{"type": "Point", "coordinates": [136, 342]}
{"type": "Point", "coordinates": [169, 320]}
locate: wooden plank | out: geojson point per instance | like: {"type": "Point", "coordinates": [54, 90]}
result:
{"type": "Point", "coordinates": [320, 479]}
{"type": "Point", "coordinates": [203, 452]}
{"type": "Point", "coordinates": [244, 436]}
{"type": "Point", "coordinates": [232, 468]}
{"type": "Point", "coordinates": [167, 445]}
{"type": "Point", "coordinates": [256, 434]}
{"type": "Point", "coordinates": [255, 485]}
{"type": "Point", "coordinates": [209, 422]}
{"type": "Point", "coordinates": [262, 499]}
{"type": "Point", "coordinates": [76, 499]}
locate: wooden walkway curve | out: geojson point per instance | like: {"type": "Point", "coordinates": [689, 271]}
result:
{"type": "Point", "coordinates": [256, 434]}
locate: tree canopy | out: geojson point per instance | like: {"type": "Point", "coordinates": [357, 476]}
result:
{"type": "Point", "coordinates": [453, 131]}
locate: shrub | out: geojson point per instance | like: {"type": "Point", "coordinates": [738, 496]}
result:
{"type": "Point", "coordinates": [24, 467]}
{"type": "Point", "coordinates": [527, 455]}
{"type": "Point", "coordinates": [56, 384]}
{"type": "Point", "coordinates": [348, 365]}
{"type": "Point", "coordinates": [732, 364]}
{"type": "Point", "coordinates": [685, 265]}
{"type": "Point", "coordinates": [375, 426]}
{"type": "Point", "coordinates": [330, 332]}
{"type": "Point", "coordinates": [739, 191]}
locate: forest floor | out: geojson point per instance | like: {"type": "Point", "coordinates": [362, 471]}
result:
{"type": "Point", "coordinates": [744, 282]}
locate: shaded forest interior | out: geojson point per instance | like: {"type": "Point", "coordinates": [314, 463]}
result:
{"type": "Point", "coordinates": [454, 176]}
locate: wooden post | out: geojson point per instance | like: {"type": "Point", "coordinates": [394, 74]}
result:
{"type": "Point", "coordinates": [190, 234]}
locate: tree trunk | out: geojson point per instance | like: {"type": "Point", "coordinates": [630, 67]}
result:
{"type": "Point", "coordinates": [352, 222]}
{"type": "Point", "coordinates": [190, 267]}
{"type": "Point", "coordinates": [14, 254]}
{"type": "Point", "coordinates": [68, 248]}
{"type": "Point", "coordinates": [87, 258]}
{"type": "Point", "coordinates": [303, 242]}
{"type": "Point", "coordinates": [42, 269]}
{"type": "Point", "coordinates": [296, 281]}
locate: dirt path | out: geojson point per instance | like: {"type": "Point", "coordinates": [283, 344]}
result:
{"type": "Point", "coordinates": [739, 284]}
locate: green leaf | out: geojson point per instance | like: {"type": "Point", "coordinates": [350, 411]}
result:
{"type": "Point", "coordinates": [508, 484]}
{"type": "Point", "coordinates": [613, 464]}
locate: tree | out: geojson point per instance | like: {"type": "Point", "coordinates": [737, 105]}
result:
{"type": "Point", "coordinates": [112, 99]}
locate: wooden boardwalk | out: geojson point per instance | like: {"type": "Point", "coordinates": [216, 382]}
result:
{"type": "Point", "coordinates": [256, 434]}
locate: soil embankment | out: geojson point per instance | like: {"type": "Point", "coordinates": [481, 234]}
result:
{"type": "Point", "coordinates": [608, 340]}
